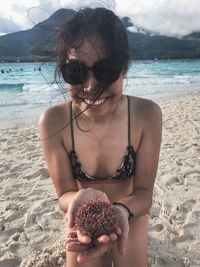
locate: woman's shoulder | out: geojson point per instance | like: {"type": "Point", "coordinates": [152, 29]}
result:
{"type": "Point", "coordinates": [54, 118]}
{"type": "Point", "coordinates": [144, 109]}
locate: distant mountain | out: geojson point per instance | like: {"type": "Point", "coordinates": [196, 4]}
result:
{"type": "Point", "coordinates": [42, 37]}
{"type": "Point", "coordinates": [193, 36]}
{"type": "Point", "coordinates": [144, 44]}
{"type": "Point", "coordinates": [161, 47]}
{"type": "Point", "coordinates": [127, 22]}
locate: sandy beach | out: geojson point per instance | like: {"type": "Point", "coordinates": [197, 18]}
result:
{"type": "Point", "coordinates": [32, 227]}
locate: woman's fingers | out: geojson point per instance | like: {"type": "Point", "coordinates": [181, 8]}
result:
{"type": "Point", "coordinates": [113, 237]}
{"type": "Point", "coordinates": [72, 234]}
{"type": "Point", "coordinates": [118, 230]}
{"type": "Point", "coordinates": [76, 246]}
{"type": "Point", "coordinates": [94, 252]}
{"type": "Point", "coordinates": [83, 238]}
{"type": "Point", "coordinates": [121, 245]}
{"type": "Point", "coordinates": [103, 239]}
{"type": "Point", "coordinates": [73, 244]}
{"type": "Point", "coordinates": [122, 240]}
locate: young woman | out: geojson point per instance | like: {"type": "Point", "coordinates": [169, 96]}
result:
{"type": "Point", "coordinates": [102, 144]}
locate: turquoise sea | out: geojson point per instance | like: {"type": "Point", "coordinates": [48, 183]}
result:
{"type": "Point", "coordinates": [25, 90]}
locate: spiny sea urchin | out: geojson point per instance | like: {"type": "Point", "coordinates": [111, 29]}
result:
{"type": "Point", "coordinates": [95, 218]}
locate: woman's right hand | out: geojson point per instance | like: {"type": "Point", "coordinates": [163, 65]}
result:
{"type": "Point", "coordinates": [88, 252]}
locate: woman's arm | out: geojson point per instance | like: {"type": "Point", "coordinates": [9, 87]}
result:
{"type": "Point", "coordinates": [140, 201]}
{"type": "Point", "coordinates": [56, 156]}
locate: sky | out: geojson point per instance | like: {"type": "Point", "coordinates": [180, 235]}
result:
{"type": "Point", "coordinates": [167, 17]}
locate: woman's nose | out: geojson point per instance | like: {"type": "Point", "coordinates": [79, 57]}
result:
{"type": "Point", "coordinates": [90, 82]}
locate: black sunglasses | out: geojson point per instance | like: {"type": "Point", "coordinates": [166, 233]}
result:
{"type": "Point", "coordinates": [75, 72]}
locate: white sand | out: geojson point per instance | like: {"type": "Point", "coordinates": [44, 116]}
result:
{"type": "Point", "coordinates": [32, 227]}
{"type": "Point", "coordinates": [174, 237]}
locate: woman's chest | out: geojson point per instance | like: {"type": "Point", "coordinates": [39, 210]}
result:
{"type": "Point", "coordinates": [101, 161]}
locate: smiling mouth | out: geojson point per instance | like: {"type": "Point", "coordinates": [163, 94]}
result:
{"type": "Point", "coordinates": [91, 103]}
{"type": "Point", "coordinates": [95, 103]}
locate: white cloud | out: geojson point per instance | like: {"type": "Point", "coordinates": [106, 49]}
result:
{"type": "Point", "coordinates": [8, 25]}
{"type": "Point", "coordinates": [169, 17]}
{"type": "Point", "coordinates": [16, 12]}
{"type": "Point", "coordinates": [88, 3]}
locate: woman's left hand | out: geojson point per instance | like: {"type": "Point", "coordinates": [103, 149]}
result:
{"type": "Point", "coordinates": [123, 224]}
{"type": "Point", "coordinates": [92, 250]}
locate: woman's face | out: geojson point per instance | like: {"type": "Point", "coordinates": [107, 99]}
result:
{"type": "Point", "coordinates": [91, 51]}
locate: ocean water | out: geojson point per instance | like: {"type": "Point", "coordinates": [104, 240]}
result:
{"type": "Point", "coordinates": [26, 89]}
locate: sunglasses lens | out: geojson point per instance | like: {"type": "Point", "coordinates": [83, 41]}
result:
{"type": "Point", "coordinates": [108, 76]}
{"type": "Point", "coordinates": [73, 72]}
{"type": "Point", "coordinates": [105, 72]}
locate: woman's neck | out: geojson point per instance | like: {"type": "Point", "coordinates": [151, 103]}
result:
{"type": "Point", "coordinates": [115, 111]}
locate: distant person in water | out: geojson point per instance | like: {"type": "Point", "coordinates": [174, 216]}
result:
{"type": "Point", "coordinates": [39, 68]}
{"type": "Point", "coordinates": [102, 144]}
{"type": "Point", "coordinates": [2, 71]}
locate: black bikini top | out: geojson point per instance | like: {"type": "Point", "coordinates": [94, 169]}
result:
{"type": "Point", "coordinates": [126, 169]}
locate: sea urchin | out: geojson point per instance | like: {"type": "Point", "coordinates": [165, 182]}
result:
{"type": "Point", "coordinates": [95, 218]}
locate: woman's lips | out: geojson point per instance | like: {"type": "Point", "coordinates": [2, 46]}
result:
{"type": "Point", "coordinates": [94, 104]}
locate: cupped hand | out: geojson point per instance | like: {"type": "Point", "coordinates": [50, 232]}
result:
{"type": "Point", "coordinates": [76, 242]}
{"type": "Point", "coordinates": [92, 250]}
{"type": "Point", "coordinates": [83, 243]}
{"type": "Point", "coordinates": [74, 245]}
{"type": "Point", "coordinates": [80, 197]}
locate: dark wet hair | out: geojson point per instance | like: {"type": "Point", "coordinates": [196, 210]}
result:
{"type": "Point", "coordinates": [90, 21]}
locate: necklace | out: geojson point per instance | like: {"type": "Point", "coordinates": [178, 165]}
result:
{"type": "Point", "coordinates": [100, 140]}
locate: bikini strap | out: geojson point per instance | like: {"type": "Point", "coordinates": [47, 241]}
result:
{"type": "Point", "coordinates": [72, 129]}
{"type": "Point", "coordinates": [129, 122]}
